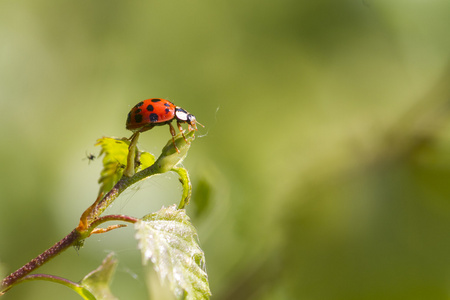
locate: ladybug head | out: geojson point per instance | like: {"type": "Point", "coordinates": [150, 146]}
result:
{"type": "Point", "coordinates": [183, 116]}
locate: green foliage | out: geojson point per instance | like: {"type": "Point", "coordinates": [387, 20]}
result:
{"type": "Point", "coordinates": [114, 161]}
{"type": "Point", "coordinates": [187, 187]}
{"type": "Point", "coordinates": [170, 158]}
{"type": "Point", "coordinates": [99, 280]}
{"type": "Point", "coordinates": [167, 238]}
{"type": "Point", "coordinates": [169, 241]}
{"type": "Point", "coordinates": [146, 160]}
{"type": "Point", "coordinates": [76, 287]}
{"type": "Point", "coordinates": [115, 153]}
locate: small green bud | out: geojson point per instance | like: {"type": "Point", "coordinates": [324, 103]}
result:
{"type": "Point", "coordinates": [169, 157]}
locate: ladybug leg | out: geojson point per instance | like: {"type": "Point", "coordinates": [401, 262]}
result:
{"type": "Point", "coordinates": [132, 136]}
{"type": "Point", "coordinates": [172, 132]}
{"type": "Point", "coordinates": [182, 132]}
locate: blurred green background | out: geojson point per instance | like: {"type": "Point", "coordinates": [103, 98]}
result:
{"type": "Point", "coordinates": [324, 168]}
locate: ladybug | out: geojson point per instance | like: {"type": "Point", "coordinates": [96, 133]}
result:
{"type": "Point", "coordinates": [156, 112]}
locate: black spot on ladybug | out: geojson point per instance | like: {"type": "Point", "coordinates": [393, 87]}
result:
{"type": "Point", "coordinates": [153, 117]}
{"type": "Point", "coordinates": [150, 107]}
{"type": "Point", "coordinates": [138, 118]}
{"type": "Point", "coordinates": [167, 110]}
{"type": "Point", "coordinates": [156, 100]}
{"type": "Point", "coordinates": [139, 104]}
{"type": "Point", "coordinates": [167, 104]}
{"type": "Point", "coordinates": [129, 117]}
{"type": "Point", "coordinates": [138, 111]}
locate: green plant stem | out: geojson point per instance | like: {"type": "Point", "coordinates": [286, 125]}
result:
{"type": "Point", "coordinates": [120, 186]}
{"type": "Point", "coordinates": [75, 236]}
{"type": "Point", "coordinates": [166, 162]}
{"type": "Point", "coordinates": [85, 293]}
{"type": "Point", "coordinates": [187, 186]}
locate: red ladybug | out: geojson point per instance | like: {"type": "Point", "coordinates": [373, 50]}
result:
{"type": "Point", "coordinates": [156, 112]}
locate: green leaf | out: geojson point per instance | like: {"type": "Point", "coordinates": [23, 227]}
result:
{"type": "Point", "coordinates": [146, 160]}
{"type": "Point", "coordinates": [114, 161]}
{"type": "Point", "coordinates": [99, 280]}
{"type": "Point", "coordinates": [115, 153]}
{"type": "Point", "coordinates": [169, 241]}
{"type": "Point", "coordinates": [187, 186]}
{"type": "Point", "coordinates": [76, 287]}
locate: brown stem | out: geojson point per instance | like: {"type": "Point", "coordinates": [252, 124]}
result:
{"type": "Point", "coordinates": [91, 217]}
{"type": "Point", "coordinates": [48, 254]}
{"type": "Point", "coordinates": [108, 218]}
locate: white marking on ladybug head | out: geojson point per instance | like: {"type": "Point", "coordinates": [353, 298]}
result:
{"type": "Point", "coordinates": [181, 114]}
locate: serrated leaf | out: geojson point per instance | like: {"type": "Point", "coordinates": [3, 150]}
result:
{"type": "Point", "coordinates": [99, 280]}
{"type": "Point", "coordinates": [115, 153]}
{"type": "Point", "coordinates": [169, 241]}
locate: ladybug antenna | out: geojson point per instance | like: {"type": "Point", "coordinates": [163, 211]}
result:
{"type": "Point", "coordinates": [197, 122]}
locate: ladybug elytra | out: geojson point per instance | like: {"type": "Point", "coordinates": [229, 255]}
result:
{"type": "Point", "coordinates": [156, 112]}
